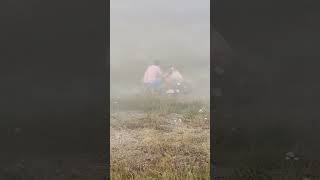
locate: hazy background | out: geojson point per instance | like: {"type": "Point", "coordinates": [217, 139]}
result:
{"type": "Point", "coordinates": [173, 31]}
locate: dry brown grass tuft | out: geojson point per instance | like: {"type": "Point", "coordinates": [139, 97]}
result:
{"type": "Point", "coordinates": [161, 138]}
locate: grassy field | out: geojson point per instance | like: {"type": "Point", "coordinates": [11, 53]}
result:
{"type": "Point", "coordinates": [160, 138]}
{"type": "Point", "coordinates": [168, 138]}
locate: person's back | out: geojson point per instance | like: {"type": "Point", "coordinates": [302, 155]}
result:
{"type": "Point", "coordinates": [152, 73]}
{"type": "Point", "coordinates": [152, 77]}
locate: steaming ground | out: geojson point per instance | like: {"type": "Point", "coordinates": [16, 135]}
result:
{"type": "Point", "coordinates": [161, 138]}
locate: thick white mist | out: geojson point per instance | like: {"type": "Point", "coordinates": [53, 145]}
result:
{"type": "Point", "coordinates": [173, 31]}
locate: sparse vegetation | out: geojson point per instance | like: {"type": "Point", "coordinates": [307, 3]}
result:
{"type": "Point", "coordinates": [160, 138]}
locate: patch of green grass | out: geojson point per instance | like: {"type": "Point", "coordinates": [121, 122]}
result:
{"type": "Point", "coordinates": [158, 104]}
{"type": "Point", "coordinates": [158, 108]}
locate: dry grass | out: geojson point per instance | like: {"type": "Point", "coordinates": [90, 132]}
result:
{"type": "Point", "coordinates": [160, 138]}
{"type": "Point", "coordinates": [148, 141]}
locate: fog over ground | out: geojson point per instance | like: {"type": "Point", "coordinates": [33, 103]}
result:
{"type": "Point", "coordinates": [173, 31]}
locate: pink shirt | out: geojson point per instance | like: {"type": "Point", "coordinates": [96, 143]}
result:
{"type": "Point", "coordinates": [152, 73]}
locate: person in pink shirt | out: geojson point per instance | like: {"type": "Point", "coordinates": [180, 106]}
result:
{"type": "Point", "coordinates": [153, 76]}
